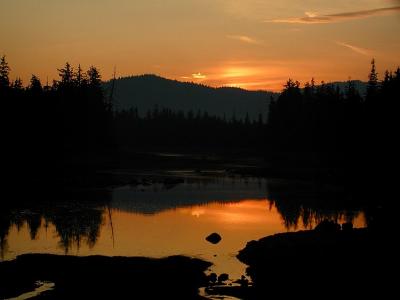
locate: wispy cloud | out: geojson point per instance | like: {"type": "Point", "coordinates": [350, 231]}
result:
{"type": "Point", "coordinates": [244, 39]}
{"type": "Point", "coordinates": [356, 49]}
{"type": "Point", "coordinates": [197, 76]}
{"type": "Point", "coordinates": [314, 18]}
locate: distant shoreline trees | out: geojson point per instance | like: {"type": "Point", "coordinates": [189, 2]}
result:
{"type": "Point", "coordinates": [163, 127]}
{"type": "Point", "coordinates": [73, 118]}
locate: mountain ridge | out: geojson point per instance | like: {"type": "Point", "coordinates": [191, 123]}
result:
{"type": "Point", "coordinates": [148, 91]}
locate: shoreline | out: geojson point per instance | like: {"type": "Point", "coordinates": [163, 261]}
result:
{"type": "Point", "coordinates": [94, 277]}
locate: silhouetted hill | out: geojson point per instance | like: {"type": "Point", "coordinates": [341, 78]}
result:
{"type": "Point", "coordinates": [147, 91]}
{"type": "Point", "coordinates": [359, 85]}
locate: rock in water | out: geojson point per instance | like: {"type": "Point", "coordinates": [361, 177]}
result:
{"type": "Point", "coordinates": [214, 238]}
{"type": "Point", "coordinates": [223, 277]}
{"type": "Point", "coordinates": [213, 278]}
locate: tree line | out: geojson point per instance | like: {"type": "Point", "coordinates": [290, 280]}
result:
{"type": "Point", "coordinates": [345, 135]}
{"type": "Point", "coordinates": [53, 126]}
{"type": "Point", "coordinates": [72, 119]}
{"type": "Point", "coordinates": [323, 119]}
{"type": "Point", "coordinates": [199, 130]}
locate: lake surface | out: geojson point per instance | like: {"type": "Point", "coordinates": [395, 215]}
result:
{"type": "Point", "coordinates": [171, 217]}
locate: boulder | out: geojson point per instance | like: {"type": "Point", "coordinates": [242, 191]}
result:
{"type": "Point", "coordinates": [214, 238]}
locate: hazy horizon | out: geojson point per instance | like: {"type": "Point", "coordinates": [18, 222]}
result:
{"type": "Point", "coordinates": [189, 81]}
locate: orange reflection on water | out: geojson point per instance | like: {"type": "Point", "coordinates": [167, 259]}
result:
{"type": "Point", "coordinates": [171, 232]}
{"type": "Point", "coordinates": [238, 216]}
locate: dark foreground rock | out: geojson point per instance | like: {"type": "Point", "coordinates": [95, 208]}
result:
{"type": "Point", "coordinates": [322, 264]}
{"type": "Point", "coordinates": [214, 238]}
{"type": "Point", "coordinates": [99, 277]}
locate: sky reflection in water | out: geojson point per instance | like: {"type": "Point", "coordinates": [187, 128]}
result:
{"type": "Point", "coordinates": [160, 220]}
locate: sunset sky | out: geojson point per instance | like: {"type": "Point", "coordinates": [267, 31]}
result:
{"type": "Point", "coordinates": [253, 44]}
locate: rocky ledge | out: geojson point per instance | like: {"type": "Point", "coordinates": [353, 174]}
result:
{"type": "Point", "coordinates": [330, 261]}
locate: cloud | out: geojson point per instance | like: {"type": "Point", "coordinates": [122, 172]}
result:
{"type": "Point", "coordinates": [311, 14]}
{"type": "Point", "coordinates": [356, 49]}
{"type": "Point", "coordinates": [244, 39]}
{"type": "Point", "coordinates": [199, 76]}
{"type": "Point", "coordinates": [314, 18]}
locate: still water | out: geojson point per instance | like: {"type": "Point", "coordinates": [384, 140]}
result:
{"type": "Point", "coordinates": [163, 219]}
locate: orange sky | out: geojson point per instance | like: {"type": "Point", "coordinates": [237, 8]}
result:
{"type": "Point", "coordinates": [252, 44]}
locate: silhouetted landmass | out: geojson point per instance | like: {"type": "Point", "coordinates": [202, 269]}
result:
{"type": "Point", "coordinates": [54, 130]}
{"type": "Point", "coordinates": [166, 129]}
{"type": "Point", "coordinates": [102, 277]}
{"type": "Point", "coordinates": [325, 262]}
{"type": "Point", "coordinates": [146, 92]}
{"type": "Point", "coordinates": [320, 133]}
{"type": "Point", "coordinates": [154, 112]}
{"type": "Point", "coordinates": [66, 131]}
{"type": "Point", "coordinates": [73, 127]}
